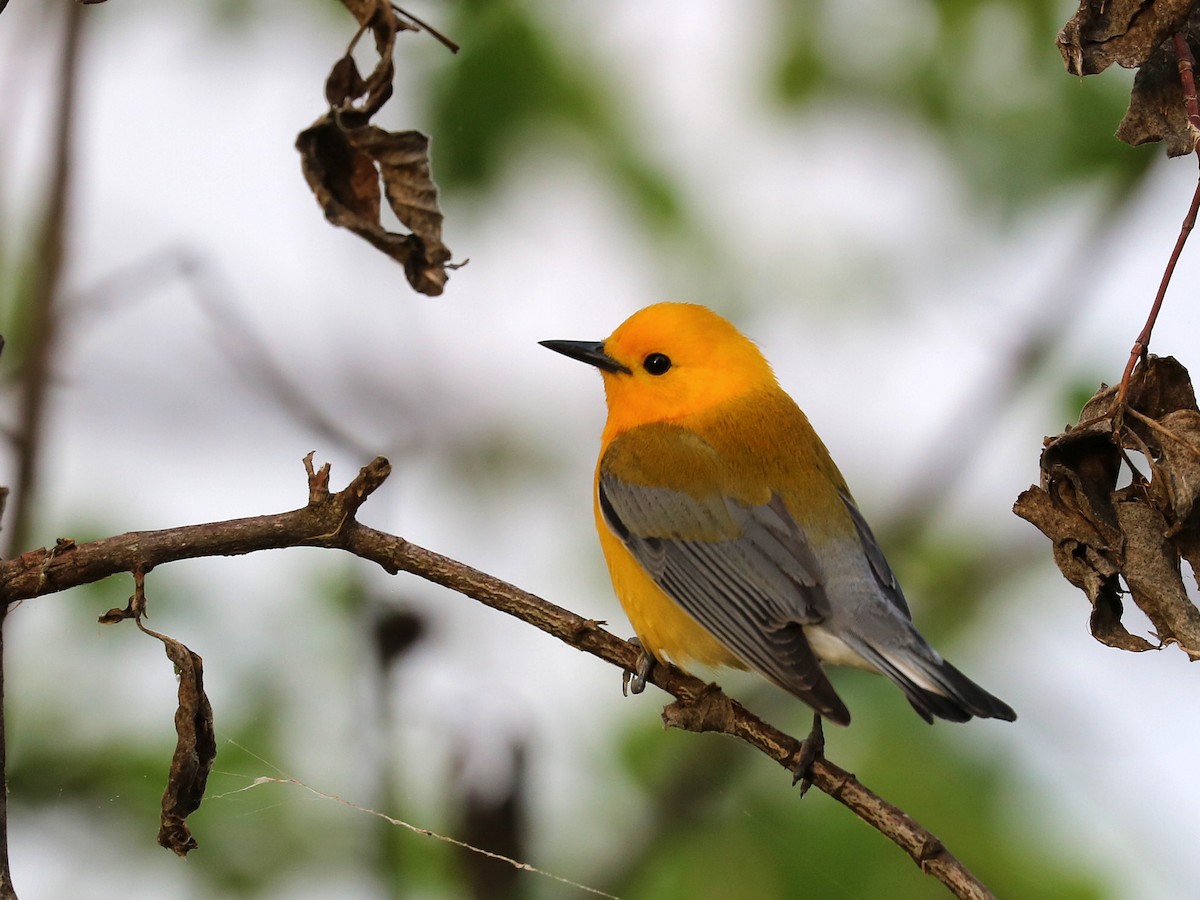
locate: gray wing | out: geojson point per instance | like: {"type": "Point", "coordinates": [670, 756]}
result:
{"type": "Point", "coordinates": [745, 573]}
{"type": "Point", "coordinates": [889, 586]}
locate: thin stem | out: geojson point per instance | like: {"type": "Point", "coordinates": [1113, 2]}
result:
{"type": "Point", "coordinates": [1187, 68]}
{"type": "Point", "coordinates": [1142, 344]}
{"type": "Point", "coordinates": [41, 301]}
{"type": "Point", "coordinates": [433, 32]}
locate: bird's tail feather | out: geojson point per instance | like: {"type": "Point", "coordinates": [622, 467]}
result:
{"type": "Point", "coordinates": [935, 688]}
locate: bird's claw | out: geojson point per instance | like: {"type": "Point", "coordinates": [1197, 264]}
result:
{"type": "Point", "coordinates": [811, 749]}
{"type": "Point", "coordinates": [635, 682]}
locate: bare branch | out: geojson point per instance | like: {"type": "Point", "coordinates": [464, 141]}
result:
{"type": "Point", "coordinates": [328, 520]}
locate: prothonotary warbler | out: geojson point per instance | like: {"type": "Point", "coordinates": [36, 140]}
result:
{"type": "Point", "coordinates": [729, 533]}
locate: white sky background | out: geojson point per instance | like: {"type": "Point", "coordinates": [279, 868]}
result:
{"type": "Point", "coordinates": [185, 141]}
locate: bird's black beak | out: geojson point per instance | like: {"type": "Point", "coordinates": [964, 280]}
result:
{"type": "Point", "coordinates": [590, 352]}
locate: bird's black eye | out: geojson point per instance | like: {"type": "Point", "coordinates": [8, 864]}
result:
{"type": "Point", "coordinates": [656, 363]}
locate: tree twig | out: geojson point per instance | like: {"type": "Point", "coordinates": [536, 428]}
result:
{"type": "Point", "coordinates": [1187, 78]}
{"type": "Point", "coordinates": [1141, 345]}
{"type": "Point", "coordinates": [432, 32]}
{"type": "Point", "coordinates": [328, 520]}
{"type": "Point", "coordinates": [39, 343]}
{"type": "Point", "coordinates": [43, 292]}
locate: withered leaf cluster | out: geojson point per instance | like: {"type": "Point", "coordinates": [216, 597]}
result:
{"type": "Point", "coordinates": [346, 159]}
{"type": "Point", "coordinates": [1138, 34]}
{"type": "Point", "coordinates": [1111, 541]}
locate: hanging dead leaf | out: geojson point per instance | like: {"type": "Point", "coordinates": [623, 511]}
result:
{"type": "Point", "coordinates": [344, 167]}
{"type": "Point", "coordinates": [1177, 466]}
{"type": "Point", "coordinates": [1105, 621]}
{"type": "Point", "coordinates": [1074, 508]}
{"type": "Point", "coordinates": [1136, 537]}
{"type": "Point", "coordinates": [1150, 567]}
{"type": "Point", "coordinates": [351, 165]}
{"type": "Point", "coordinates": [195, 739]}
{"type": "Point", "coordinates": [1162, 386]}
{"type": "Point", "coordinates": [344, 84]}
{"type": "Point", "coordinates": [1156, 109]}
{"type": "Point", "coordinates": [195, 748]}
{"type": "Point", "coordinates": [1137, 34]}
{"type": "Point", "coordinates": [115, 615]}
{"type": "Point", "coordinates": [1125, 32]}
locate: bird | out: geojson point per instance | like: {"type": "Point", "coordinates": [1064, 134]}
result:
{"type": "Point", "coordinates": [730, 535]}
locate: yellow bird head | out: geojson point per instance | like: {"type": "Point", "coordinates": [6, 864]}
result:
{"type": "Point", "coordinates": [669, 361]}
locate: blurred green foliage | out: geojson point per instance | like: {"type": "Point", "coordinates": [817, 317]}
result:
{"type": "Point", "coordinates": [513, 85]}
{"type": "Point", "coordinates": [983, 78]}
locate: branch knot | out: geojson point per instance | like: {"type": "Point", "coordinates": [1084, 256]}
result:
{"type": "Point", "coordinates": [710, 710]}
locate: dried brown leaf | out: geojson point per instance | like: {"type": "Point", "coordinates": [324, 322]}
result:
{"type": "Point", "coordinates": [1086, 561]}
{"type": "Point", "coordinates": [1105, 622]}
{"type": "Point", "coordinates": [345, 159]}
{"type": "Point", "coordinates": [115, 615]}
{"type": "Point", "coordinates": [1079, 470]}
{"type": "Point", "coordinates": [1139, 534]}
{"type": "Point", "coordinates": [344, 166]}
{"type": "Point", "coordinates": [1156, 109]}
{"type": "Point", "coordinates": [1151, 569]}
{"type": "Point", "coordinates": [344, 180]}
{"type": "Point", "coordinates": [1187, 542]}
{"type": "Point", "coordinates": [403, 161]}
{"type": "Point", "coordinates": [1177, 471]}
{"type": "Point", "coordinates": [1125, 32]}
{"type": "Point", "coordinates": [1105, 625]}
{"type": "Point", "coordinates": [1137, 34]}
{"type": "Point", "coordinates": [1161, 386]}
{"type": "Point", "coordinates": [195, 748]}
{"type": "Point", "coordinates": [344, 84]}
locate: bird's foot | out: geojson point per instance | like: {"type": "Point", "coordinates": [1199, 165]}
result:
{"type": "Point", "coordinates": [635, 682]}
{"type": "Point", "coordinates": [811, 749]}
